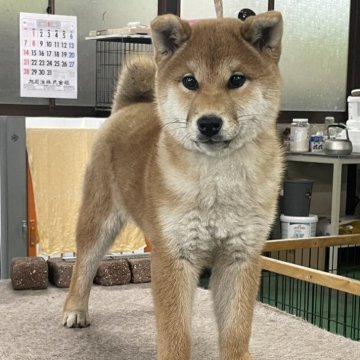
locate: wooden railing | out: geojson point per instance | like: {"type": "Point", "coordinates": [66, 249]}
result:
{"type": "Point", "coordinates": [314, 242]}
{"type": "Point", "coordinates": [314, 276]}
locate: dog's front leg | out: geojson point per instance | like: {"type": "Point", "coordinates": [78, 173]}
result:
{"type": "Point", "coordinates": [174, 282]}
{"type": "Point", "coordinates": [97, 226]}
{"type": "Point", "coordinates": [235, 287]}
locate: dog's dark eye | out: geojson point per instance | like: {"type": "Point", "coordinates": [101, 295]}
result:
{"type": "Point", "coordinates": [236, 81]}
{"type": "Point", "coordinates": [190, 82]}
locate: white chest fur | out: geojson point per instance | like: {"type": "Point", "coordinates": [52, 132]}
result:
{"type": "Point", "coordinates": [219, 210]}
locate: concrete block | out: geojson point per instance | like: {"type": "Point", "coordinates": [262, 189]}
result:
{"type": "Point", "coordinates": [113, 272]}
{"type": "Point", "coordinates": [29, 273]}
{"type": "Point", "coordinates": [60, 272]}
{"type": "Point", "coordinates": [140, 269]}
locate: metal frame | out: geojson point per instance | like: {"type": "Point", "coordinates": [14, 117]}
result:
{"type": "Point", "coordinates": [169, 7]}
{"type": "Point", "coordinates": [13, 200]}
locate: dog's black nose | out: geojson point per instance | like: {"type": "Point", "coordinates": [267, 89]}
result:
{"type": "Point", "coordinates": [209, 125]}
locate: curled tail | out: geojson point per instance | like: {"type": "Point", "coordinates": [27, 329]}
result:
{"type": "Point", "coordinates": [136, 82]}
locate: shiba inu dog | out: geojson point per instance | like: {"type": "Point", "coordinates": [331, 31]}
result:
{"type": "Point", "coordinates": [191, 155]}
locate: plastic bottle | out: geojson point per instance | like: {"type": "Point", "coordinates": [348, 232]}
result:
{"type": "Point", "coordinates": [330, 120]}
{"type": "Point", "coordinates": [299, 136]}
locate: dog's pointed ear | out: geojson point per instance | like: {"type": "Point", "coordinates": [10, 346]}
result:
{"type": "Point", "coordinates": [264, 32]}
{"type": "Point", "coordinates": [168, 33]}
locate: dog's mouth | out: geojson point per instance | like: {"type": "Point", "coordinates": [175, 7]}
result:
{"type": "Point", "coordinates": [213, 141]}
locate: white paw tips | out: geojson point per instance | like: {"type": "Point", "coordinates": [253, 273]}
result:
{"type": "Point", "coordinates": [76, 319]}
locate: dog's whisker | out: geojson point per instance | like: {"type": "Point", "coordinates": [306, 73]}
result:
{"type": "Point", "coordinates": [249, 115]}
{"type": "Point", "coordinates": [176, 128]}
{"type": "Point", "coordinates": [172, 123]}
{"type": "Point", "coordinates": [177, 122]}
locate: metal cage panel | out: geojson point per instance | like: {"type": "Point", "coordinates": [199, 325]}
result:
{"type": "Point", "coordinates": [111, 53]}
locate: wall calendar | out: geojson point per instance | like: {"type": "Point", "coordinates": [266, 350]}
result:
{"type": "Point", "coordinates": [48, 56]}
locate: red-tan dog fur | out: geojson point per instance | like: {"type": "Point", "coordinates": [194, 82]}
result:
{"type": "Point", "coordinates": [190, 154]}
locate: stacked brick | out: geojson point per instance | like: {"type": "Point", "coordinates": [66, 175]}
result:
{"type": "Point", "coordinates": [29, 273]}
{"type": "Point", "coordinates": [34, 272]}
{"type": "Point", "coordinates": [60, 272]}
{"type": "Point", "coordinates": [140, 269]}
{"type": "Point", "coordinates": [113, 272]}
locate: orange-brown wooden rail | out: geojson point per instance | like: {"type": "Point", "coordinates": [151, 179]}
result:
{"type": "Point", "coordinates": [32, 236]}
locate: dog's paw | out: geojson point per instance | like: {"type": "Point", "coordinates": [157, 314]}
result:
{"type": "Point", "coordinates": [76, 319]}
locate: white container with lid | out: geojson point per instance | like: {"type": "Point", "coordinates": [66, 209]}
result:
{"type": "Point", "coordinates": [299, 135]}
{"type": "Point", "coordinates": [298, 227]}
{"type": "Point", "coordinates": [354, 136]}
{"type": "Point", "coordinates": [354, 107]}
{"type": "Point", "coordinates": [353, 124]}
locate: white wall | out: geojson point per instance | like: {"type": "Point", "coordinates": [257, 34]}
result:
{"type": "Point", "coordinates": [61, 123]}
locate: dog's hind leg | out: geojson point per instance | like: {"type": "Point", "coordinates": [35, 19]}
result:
{"type": "Point", "coordinates": [98, 224]}
{"type": "Point", "coordinates": [234, 287]}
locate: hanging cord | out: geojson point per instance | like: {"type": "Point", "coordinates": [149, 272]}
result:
{"type": "Point", "coordinates": [219, 8]}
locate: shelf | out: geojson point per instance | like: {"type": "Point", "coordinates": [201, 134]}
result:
{"type": "Point", "coordinates": [323, 158]}
{"type": "Point", "coordinates": [337, 163]}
